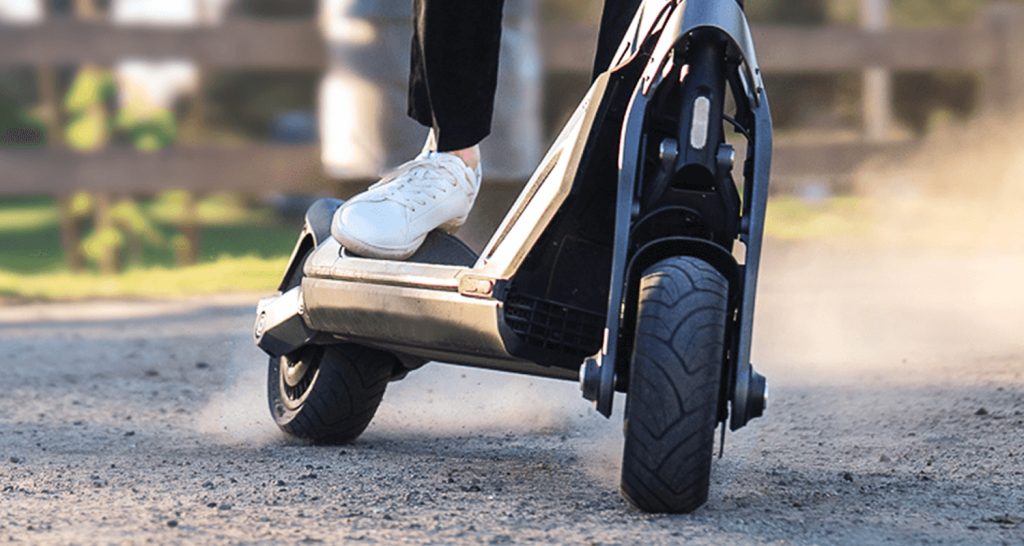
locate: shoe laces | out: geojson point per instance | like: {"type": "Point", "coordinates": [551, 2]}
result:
{"type": "Point", "coordinates": [421, 180]}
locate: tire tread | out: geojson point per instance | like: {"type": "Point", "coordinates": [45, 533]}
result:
{"type": "Point", "coordinates": [675, 375]}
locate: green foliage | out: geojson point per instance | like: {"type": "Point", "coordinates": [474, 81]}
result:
{"type": "Point", "coordinates": [232, 229]}
{"type": "Point", "coordinates": [13, 117]}
{"type": "Point", "coordinates": [82, 205]}
{"type": "Point", "coordinates": [91, 87]}
{"type": "Point", "coordinates": [129, 217]}
{"type": "Point", "coordinates": [88, 127]}
{"type": "Point", "coordinates": [88, 130]}
{"type": "Point", "coordinates": [148, 128]}
{"type": "Point", "coordinates": [102, 242]}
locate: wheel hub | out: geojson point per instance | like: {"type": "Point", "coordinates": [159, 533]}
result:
{"type": "Point", "coordinates": [295, 372]}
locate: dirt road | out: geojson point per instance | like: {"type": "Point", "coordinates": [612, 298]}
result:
{"type": "Point", "coordinates": [897, 415]}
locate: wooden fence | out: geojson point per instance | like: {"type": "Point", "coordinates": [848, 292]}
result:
{"type": "Point", "coordinates": [990, 47]}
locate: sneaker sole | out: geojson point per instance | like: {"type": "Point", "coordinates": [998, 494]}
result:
{"type": "Point", "coordinates": [366, 250]}
{"type": "Point", "coordinates": [451, 226]}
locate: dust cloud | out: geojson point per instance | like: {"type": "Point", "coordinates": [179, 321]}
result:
{"type": "Point", "coordinates": [933, 277]}
{"type": "Point", "coordinates": [237, 413]}
{"type": "Point", "coordinates": [932, 281]}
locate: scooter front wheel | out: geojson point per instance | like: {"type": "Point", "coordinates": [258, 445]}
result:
{"type": "Point", "coordinates": [674, 380]}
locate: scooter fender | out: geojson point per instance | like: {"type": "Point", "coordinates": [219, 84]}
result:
{"type": "Point", "coordinates": [280, 324]}
{"type": "Point", "coordinates": [315, 230]}
{"type": "Point", "coordinates": [599, 372]}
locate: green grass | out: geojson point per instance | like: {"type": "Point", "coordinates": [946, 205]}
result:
{"type": "Point", "coordinates": [243, 249]}
{"type": "Point", "coordinates": [224, 275]}
{"type": "Point", "coordinates": [794, 219]}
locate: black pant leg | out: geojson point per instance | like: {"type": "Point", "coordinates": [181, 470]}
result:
{"type": "Point", "coordinates": [455, 63]}
{"type": "Point", "coordinates": [615, 20]}
{"type": "Point", "coordinates": [455, 69]}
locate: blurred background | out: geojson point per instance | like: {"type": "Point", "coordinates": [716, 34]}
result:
{"type": "Point", "coordinates": [169, 147]}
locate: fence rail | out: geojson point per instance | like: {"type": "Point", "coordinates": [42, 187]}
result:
{"type": "Point", "coordinates": [820, 49]}
{"type": "Point", "coordinates": [266, 167]}
{"type": "Point", "coordinates": [237, 43]}
{"type": "Point", "coordinates": [990, 47]}
{"type": "Point", "coordinates": [257, 167]}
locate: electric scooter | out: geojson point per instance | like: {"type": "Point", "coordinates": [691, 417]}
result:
{"type": "Point", "coordinates": [617, 267]}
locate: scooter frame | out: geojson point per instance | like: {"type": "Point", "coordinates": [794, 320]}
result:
{"type": "Point", "coordinates": [445, 304]}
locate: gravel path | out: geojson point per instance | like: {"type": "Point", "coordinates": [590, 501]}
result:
{"type": "Point", "coordinates": [897, 415]}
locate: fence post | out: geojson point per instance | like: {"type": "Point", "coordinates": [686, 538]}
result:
{"type": "Point", "coordinates": [1004, 85]}
{"type": "Point", "coordinates": [49, 98]}
{"type": "Point", "coordinates": [109, 250]}
{"type": "Point", "coordinates": [877, 87]}
{"type": "Point", "coordinates": [190, 231]}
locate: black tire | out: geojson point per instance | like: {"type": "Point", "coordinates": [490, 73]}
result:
{"type": "Point", "coordinates": [327, 394]}
{"type": "Point", "coordinates": [674, 379]}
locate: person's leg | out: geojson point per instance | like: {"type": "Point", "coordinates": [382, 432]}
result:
{"type": "Point", "coordinates": [615, 20]}
{"type": "Point", "coordinates": [451, 90]}
{"type": "Point", "coordinates": [455, 69]}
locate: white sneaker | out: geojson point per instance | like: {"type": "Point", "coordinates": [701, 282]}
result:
{"type": "Point", "coordinates": [391, 218]}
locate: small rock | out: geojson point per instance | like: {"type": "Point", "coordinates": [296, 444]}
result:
{"type": "Point", "coordinates": [130, 433]}
{"type": "Point", "coordinates": [172, 523]}
{"type": "Point", "coordinates": [981, 412]}
{"type": "Point", "coordinates": [16, 460]}
{"type": "Point", "coordinates": [884, 459]}
{"type": "Point", "coordinates": [224, 506]}
{"type": "Point", "coordinates": [280, 483]}
{"type": "Point", "coordinates": [1005, 519]}
{"type": "Point", "coordinates": [202, 365]}
{"type": "Point", "coordinates": [154, 373]}
{"type": "Point", "coordinates": [848, 476]}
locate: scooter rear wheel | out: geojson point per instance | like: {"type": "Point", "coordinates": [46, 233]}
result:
{"type": "Point", "coordinates": [327, 394]}
{"type": "Point", "coordinates": [675, 374]}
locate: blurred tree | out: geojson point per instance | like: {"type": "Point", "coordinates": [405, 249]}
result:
{"type": "Point", "coordinates": [86, 104]}
{"type": "Point", "coordinates": [233, 104]}
{"type": "Point", "coordinates": [17, 91]}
